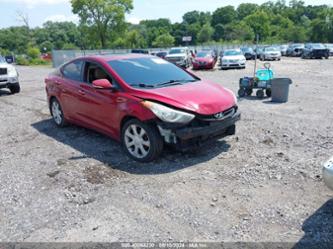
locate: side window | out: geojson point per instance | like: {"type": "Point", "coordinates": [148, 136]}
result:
{"type": "Point", "coordinates": [73, 70]}
{"type": "Point", "coordinates": [95, 72]}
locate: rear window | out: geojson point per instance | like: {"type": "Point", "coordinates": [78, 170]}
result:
{"type": "Point", "coordinates": [149, 71]}
{"type": "Point", "coordinates": [73, 70]}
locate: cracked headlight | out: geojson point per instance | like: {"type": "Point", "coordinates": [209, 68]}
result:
{"type": "Point", "coordinates": [167, 114]}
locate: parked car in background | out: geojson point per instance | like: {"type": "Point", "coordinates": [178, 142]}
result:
{"type": "Point", "coordinates": [259, 50]}
{"type": "Point", "coordinates": [180, 56]}
{"type": "Point", "coordinates": [233, 58]}
{"type": "Point", "coordinates": [330, 48]}
{"type": "Point", "coordinates": [283, 49]}
{"type": "Point", "coordinates": [248, 53]}
{"type": "Point", "coordinates": [142, 101]}
{"type": "Point", "coordinates": [295, 50]}
{"type": "Point", "coordinates": [9, 77]}
{"type": "Point", "coordinates": [162, 54]}
{"type": "Point", "coordinates": [10, 59]}
{"type": "Point", "coordinates": [139, 51]}
{"type": "Point", "coordinates": [204, 60]}
{"type": "Point", "coordinates": [328, 173]}
{"type": "Point", "coordinates": [315, 50]}
{"type": "Point", "coordinates": [270, 53]}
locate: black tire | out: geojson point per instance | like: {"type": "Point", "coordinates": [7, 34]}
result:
{"type": "Point", "coordinates": [249, 92]}
{"type": "Point", "coordinates": [15, 88]}
{"type": "Point", "coordinates": [62, 122]}
{"type": "Point", "coordinates": [153, 136]}
{"type": "Point", "coordinates": [241, 92]}
{"type": "Point", "coordinates": [260, 94]}
{"type": "Point", "coordinates": [268, 93]}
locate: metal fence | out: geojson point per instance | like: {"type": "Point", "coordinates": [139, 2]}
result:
{"type": "Point", "coordinates": [60, 57]}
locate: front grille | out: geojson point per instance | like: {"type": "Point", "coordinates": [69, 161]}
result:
{"type": "Point", "coordinates": [212, 118]}
{"type": "Point", "coordinates": [175, 59]}
{"type": "Point", "coordinates": [3, 71]}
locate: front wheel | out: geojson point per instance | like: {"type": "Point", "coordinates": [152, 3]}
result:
{"type": "Point", "coordinates": [241, 92]}
{"type": "Point", "coordinates": [15, 88]}
{"type": "Point", "coordinates": [141, 142]}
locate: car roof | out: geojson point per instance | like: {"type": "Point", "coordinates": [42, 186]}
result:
{"type": "Point", "coordinates": [113, 57]}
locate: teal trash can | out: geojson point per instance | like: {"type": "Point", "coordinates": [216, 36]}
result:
{"type": "Point", "coordinates": [280, 89]}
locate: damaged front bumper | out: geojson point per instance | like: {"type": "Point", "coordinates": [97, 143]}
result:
{"type": "Point", "coordinates": [197, 133]}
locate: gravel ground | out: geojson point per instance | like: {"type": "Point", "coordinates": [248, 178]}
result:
{"type": "Point", "coordinates": [264, 184]}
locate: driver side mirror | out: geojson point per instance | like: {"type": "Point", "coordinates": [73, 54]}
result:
{"type": "Point", "coordinates": [102, 84]}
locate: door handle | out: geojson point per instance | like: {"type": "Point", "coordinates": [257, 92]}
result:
{"type": "Point", "coordinates": [82, 92]}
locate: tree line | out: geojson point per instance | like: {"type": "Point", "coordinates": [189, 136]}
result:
{"type": "Point", "coordinates": [102, 25]}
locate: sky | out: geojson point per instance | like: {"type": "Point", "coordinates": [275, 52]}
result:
{"type": "Point", "coordinates": [40, 11]}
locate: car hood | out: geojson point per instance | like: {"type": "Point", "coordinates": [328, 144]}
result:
{"type": "Point", "coordinates": [208, 59]}
{"type": "Point", "coordinates": [271, 52]}
{"type": "Point", "coordinates": [201, 97]}
{"type": "Point", "coordinates": [175, 55]}
{"type": "Point", "coordinates": [234, 57]}
{"type": "Point", "coordinates": [4, 65]}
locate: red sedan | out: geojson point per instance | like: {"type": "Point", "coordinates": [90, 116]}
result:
{"type": "Point", "coordinates": [204, 60]}
{"type": "Point", "coordinates": [142, 101]}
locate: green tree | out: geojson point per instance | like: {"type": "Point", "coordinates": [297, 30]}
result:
{"type": "Point", "coordinates": [260, 23]}
{"type": "Point", "coordinates": [164, 41]}
{"type": "Point", "coordinates": [224, 15]}
{"type": "Point", "coordinates": [104, 16]}
{"type": "Point", "coordinates": [33, 52]}
{"type": "Point", "coordinates": [206, 33]}
{"type": "Point", "coordinates": [246, 9]}
{"type": "Point", "coordinates": [238, 31]}
{"type": "Point", "coordinates": [133, 39]}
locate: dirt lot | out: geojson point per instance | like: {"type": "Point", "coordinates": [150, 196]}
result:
{"type": "Point", "coordinates": [264, 184]}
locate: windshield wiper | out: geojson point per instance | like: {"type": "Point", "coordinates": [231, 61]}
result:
{"type": "Point", "coordinates": [175, 82]}
{"type": "Point", "coordinates": [141, 85]}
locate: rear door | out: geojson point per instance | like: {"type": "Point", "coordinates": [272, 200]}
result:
{"type": "Point", "coordinates": [68, 86]}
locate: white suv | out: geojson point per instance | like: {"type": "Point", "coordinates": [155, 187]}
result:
{"type": "Point", "coordinates": [180, 56]}
{"type": "Point", "coordinates": [8, 77]}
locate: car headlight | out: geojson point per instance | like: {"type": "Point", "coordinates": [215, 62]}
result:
{"type": "Point", "coordinates": [167, 114]}
{"type": "Point", "coordinates": [12, 71]}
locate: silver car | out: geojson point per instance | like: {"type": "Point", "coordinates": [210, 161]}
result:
{"type": "Point", "coordinates": [270, 53]}
{"type": "Point", "coordinates": [8, 77]}
{"type": "Point", "coordinates": [328, 173]}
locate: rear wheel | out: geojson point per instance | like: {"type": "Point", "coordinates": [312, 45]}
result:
{"type": "Point", "coordinates": [142, 142]}
{"type": "Point", "coordinates": [15, 88]}
{"type": "Point", "coordinates": [57, 113]}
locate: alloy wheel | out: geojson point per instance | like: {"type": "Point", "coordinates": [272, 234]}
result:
{"type": "Point", "coordinates": [137, 141]}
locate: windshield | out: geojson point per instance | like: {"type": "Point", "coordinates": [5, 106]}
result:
{"type": "Point", "coordinates": [297, 46]}
{"type": "Point", "coordinates": [203, 54]}
{"type": "Point", "coordinates": [149, 72]}
{"type": "Point", "coordinates": [232, 52]}
{"type": "Point", "coordinates": [318, 46]}
{"type": "Point", "coordinates": [271, 49]}
{"type": "Point", "coordinates": [177, 51]}
{"type": "Point", "coordinates": [247, 49]}
{"type": "Point", "coordinates": [2, 60]}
